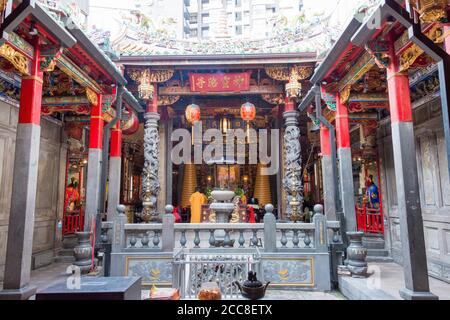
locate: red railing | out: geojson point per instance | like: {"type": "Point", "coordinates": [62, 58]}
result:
{"type": "Point", "coordinates": [73, 223]}
{"type": "Point", "coordinates": [370, 220]}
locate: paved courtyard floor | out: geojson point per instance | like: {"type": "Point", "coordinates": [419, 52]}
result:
{"type": "Point", "coordinates": [392, 280]}
{"type": "Point", "coordinates": [47, 276]}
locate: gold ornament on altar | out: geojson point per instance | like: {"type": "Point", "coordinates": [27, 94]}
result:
{"type": "Point", "coordinates": [431, 10]}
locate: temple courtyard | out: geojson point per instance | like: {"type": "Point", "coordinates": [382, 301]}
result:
{"type": "Point", "coordinates": [225, 150]}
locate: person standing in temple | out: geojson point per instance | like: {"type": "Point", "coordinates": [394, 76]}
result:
{"type": "Point", "coordinates": [197, 200]}
{"type": "Point", "coordinates": [372, 193]}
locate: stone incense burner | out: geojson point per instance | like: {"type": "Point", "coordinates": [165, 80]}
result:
{"type": "Point", "coordinates": [252, 288]}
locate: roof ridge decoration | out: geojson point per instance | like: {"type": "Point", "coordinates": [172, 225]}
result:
{"type": "Point", "coordinates": [140, 37]}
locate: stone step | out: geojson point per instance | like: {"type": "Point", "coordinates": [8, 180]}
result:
{"type": "Point", "coordinates": [377, 253]}
{"type": "Point", "coordinates": [64, 259]}
{"type": "Point", "coordinates": [379, 259]}
{"type": "Point", "coordinates": [373, 243]}
{"type": "Point", "coordinates": [66, 252]}
{"type": "Point", "coordinates": [69, 241]}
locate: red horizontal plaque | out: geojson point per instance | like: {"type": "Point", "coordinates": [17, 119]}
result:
{"type": "Point", "coordinates": [219, 82]}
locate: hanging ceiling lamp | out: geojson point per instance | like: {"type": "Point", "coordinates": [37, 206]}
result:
{"type": "Point", "coordinates": [145, 88]}
{"type": "Point", "coordinates": [294, 87]}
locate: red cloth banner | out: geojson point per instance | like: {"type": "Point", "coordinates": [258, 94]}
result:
{"type": "Point", "coordinates": [219, 82]}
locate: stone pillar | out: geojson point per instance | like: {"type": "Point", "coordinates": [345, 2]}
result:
{"type": "Point", "coordinates": [94, 160]}
{"type": "Point", "coordinates": [270, 230]}
{"type": "Point", "coordinates": [115, 165]}
{"type": "Point", "coordinates": [292, 181]}
{"type": "Point", "coordinates": [344, 153]}
{"type": "Point", "coordinates": [150, 178]}
{"type": "Point", "coordinates": [408, 194]}
{"type": "Point", "coordinates": [16, 283]}
{"type": "Point", "coordinates": [327, 174]}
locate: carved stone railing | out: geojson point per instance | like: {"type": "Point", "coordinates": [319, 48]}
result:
{"type": "Point", "coordinates": [269, 236]}
{"type": "Point", "coordinates": [236, 235]}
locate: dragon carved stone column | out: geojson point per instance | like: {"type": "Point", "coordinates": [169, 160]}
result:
{"type": "Point", "coordinates": [292, 181]}
{"type": "Point", "coordinates": [150, 183]}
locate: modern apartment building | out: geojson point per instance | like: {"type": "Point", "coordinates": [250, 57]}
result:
{"type": "Point", "coordinates": [238, 18]}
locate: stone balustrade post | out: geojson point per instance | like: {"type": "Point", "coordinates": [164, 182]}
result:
{"type": "Point", "coordinates": [321, 232]}
{"type": "Point", "coordinates": [270, 230]}
{"type": "Point", "coordinates": [119, 236]}
{"type": "Point", "coordinates": [168, 230]}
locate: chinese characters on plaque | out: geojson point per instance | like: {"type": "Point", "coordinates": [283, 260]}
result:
{"type": "Point", "coordinates": [219, 82]}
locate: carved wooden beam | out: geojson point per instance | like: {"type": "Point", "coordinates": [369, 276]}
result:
{"type": "Point", "coordinates": [357, 71]}
{"type": "Point", "coordinates": [16, 58]}
{"type": "Point", "coordinates": [186, 91]}
{"type": "Point", "coordinates": [68, 100]}
{"type": "Point", "coordinates": [409, 52]}
{"type": "Point", "coordinates": [76, 73]}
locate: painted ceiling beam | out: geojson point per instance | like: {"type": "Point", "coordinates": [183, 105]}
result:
{"type": "Point", "coordinates": [76, 73]}
{"type": "Point", "coordinates": [357, 71]}
{"type": "Point", "coordinates": [67, 100]}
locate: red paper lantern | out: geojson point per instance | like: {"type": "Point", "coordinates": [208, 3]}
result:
{"type": "Point", "coordinates": [248, 111]}
{"type": "Point", "coordinates": [193, 113]}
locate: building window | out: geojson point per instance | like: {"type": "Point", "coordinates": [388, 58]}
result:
{"type": "Point", "coordinates": [193, 33]}
{"type": "Point", "coordinates": [205, 18]}
{"type": "Point", "coordinates": [238, 3]}
{"type": "Point", "coordinates": [205, 32]}
{"type": "Point", "coordinates": [238, 16]}
{"type": "Point", "coordinates": [193, 18]}
{"type": "Point", "coordinates": [238, 30]}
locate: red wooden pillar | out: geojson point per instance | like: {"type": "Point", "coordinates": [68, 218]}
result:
{"type": "Point", "coordinates": [23, 200]}
{"type": "Point", "coordinates": [329, 198]}
{"type": "Point", "coordinates": [289, 105]}
{"type": "Point", "coordinates": [325, 146]}
{"type": "Point", "coordinates": [152, 105]}
{"type": "Point", "coordinates": [344, 153]}
{"type": "Point", "coordinates": [407, 182]}
{"type": "Point", "coordinates": [115, 166]}
{"type": "Point", "coordinates": [94, 164]}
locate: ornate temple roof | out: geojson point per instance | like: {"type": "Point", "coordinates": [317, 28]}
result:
{"type": "Point", "coordinates": [138, 37]}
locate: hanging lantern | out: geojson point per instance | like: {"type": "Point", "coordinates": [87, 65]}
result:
{"type": "Point", "coordinates": [248, 111]}
{"type": "Point", "coordinates": [293, 87]}
{"type": "Point", "coordinates": [193, 113]}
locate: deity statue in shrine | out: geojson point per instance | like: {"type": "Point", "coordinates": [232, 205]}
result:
{"type": "Point", "coordinates": [72, 198]}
